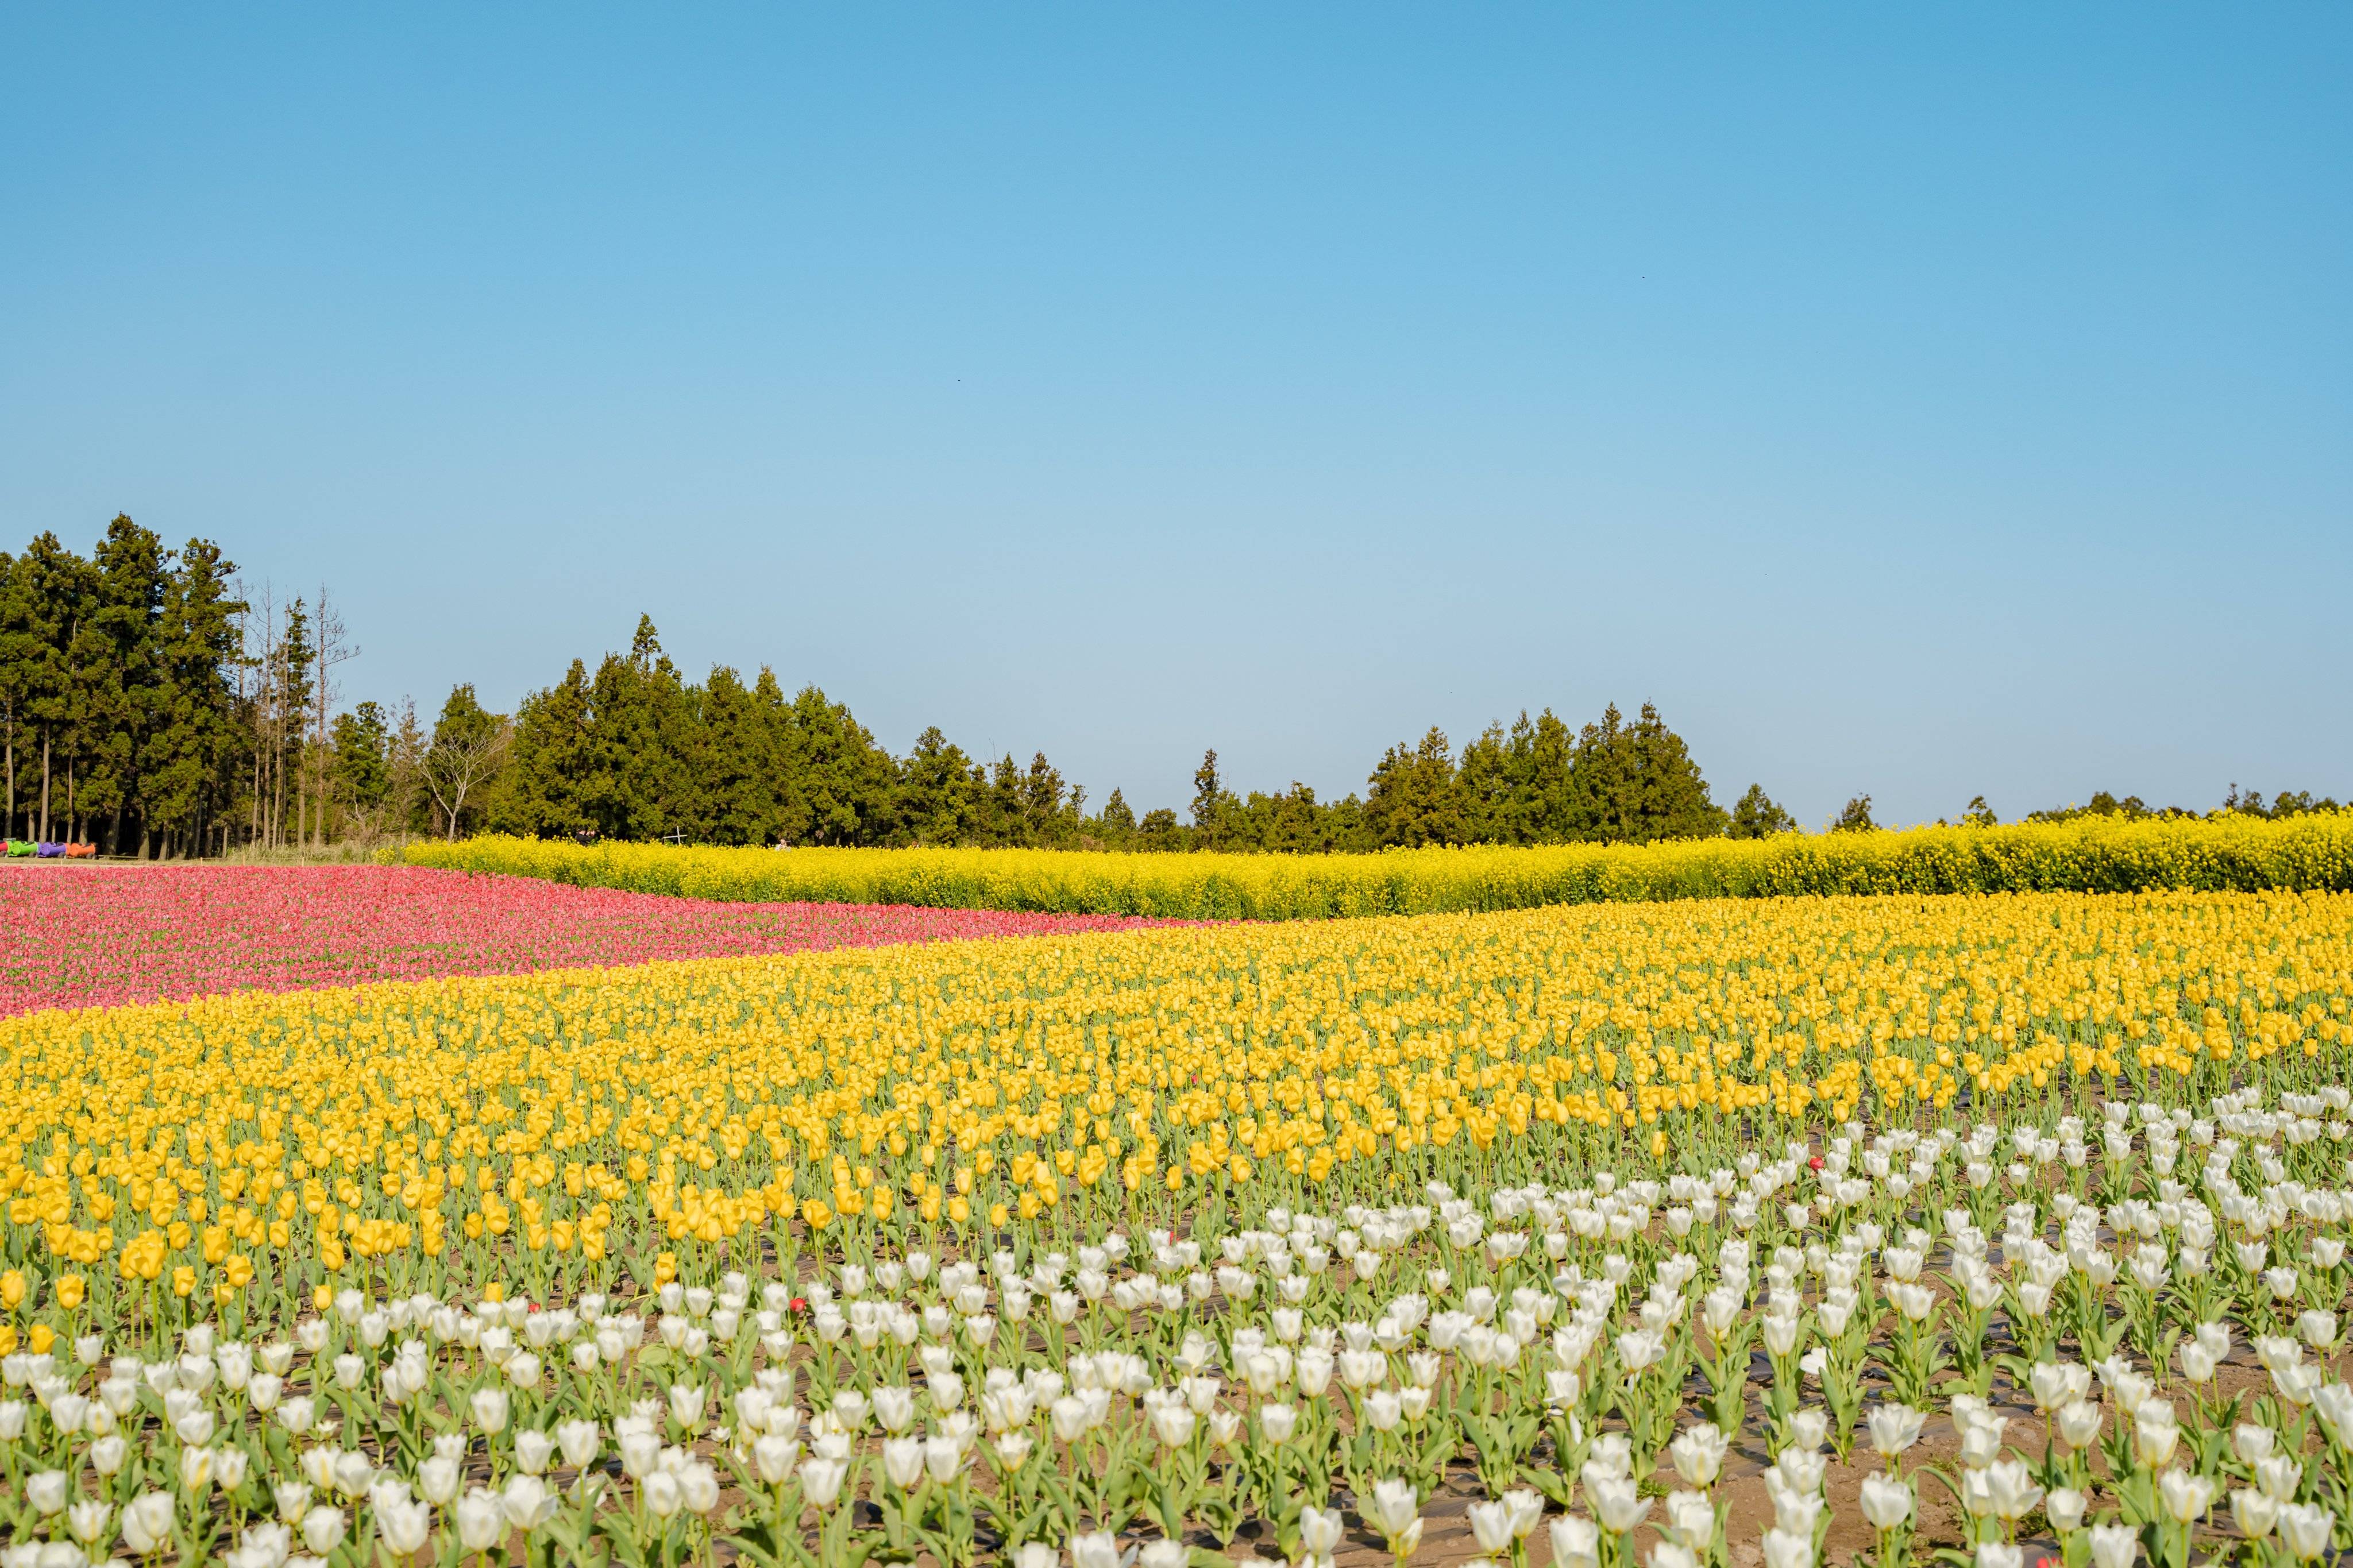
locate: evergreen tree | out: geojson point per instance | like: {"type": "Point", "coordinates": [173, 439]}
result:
{"type": "Point", "coordinates": [1755, 816]}
{"type": "Point", "coordinates": [55, 584]}
{"type": "Point", "coordinates": [735, 766]}
{"type": "Point", "coordinates": [1672, 801]}
{"type": "Point", "coordinates": [550, 762]}
{"type": "Point", "coordinates": [1414, 796]}
{"type": "Point", "coordinates": [123, 679]}
{"type": "Point", "coordinates": [18, 641]}
{"type": "Point", "coordinates": [1542, 757]}
{"type": "Point", "coordinates": [1045, 820]}
{"type": "Point", "coordinates": [362, 762]}
{"type": "Point", "coordinates": [1117, 823]}
{"type": "Point", "coordinates": [1214, 805]}
{"type": "Point", "coordinates": [939, 792]}
{"type": "Point", "coordinates": [1494, 783]}
{"type": "Point", "coordinates": [838, 783]}
{"type": "Point", "coordinates": [193, 753]}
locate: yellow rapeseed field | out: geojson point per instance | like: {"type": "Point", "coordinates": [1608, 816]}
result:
{"type": "Point", "coordinates": [2092, 855]}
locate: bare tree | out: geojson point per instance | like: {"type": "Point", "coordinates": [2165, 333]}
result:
{"type": "Point", "coordinates": [257, 630]}
{"type": "Point", "coordinates": [405, 762]}
{"type": "Point", "coordinates": [332, 650]}
{"type": "Point", "coordinates": [462, 754]}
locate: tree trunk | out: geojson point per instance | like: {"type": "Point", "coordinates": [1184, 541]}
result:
{"type": "Point", "coordinates": [44, 833]}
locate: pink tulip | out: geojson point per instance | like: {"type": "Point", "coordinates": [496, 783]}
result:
{"type": "Point", "coordinates": [109, 936]}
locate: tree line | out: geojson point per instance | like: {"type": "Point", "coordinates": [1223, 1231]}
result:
{"type": "Point", "coordinates": [635, 751]}
{"type": "Point", "coordinates": [151, 704]}
{"type": "Point", "coordinates": [124, 696]}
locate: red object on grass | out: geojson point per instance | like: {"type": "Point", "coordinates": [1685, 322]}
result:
{"type": "Point", "coordinates": [108, 936]}
{"type": "Point", "coordinates": [1815, 1163]}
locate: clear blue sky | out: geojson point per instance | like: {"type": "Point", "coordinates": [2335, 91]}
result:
{"type": "Point", "coordinates": [1918, 400]}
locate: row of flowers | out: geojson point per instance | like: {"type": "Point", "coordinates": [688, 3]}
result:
{"type": "Point", "coordinates": [1278, 1380]}
{"type": "Point", "coordinates": [162, 933]}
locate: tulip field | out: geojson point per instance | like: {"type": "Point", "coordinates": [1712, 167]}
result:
{"type": "Point", "coordinates": [1758, 1233]}
{"type": "Point", "coordinates": [112, 936]}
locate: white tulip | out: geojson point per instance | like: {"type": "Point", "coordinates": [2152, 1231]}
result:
{"type": "Point", "coordinates": [578, 1441]}
{"type": "Point", "coordinates": [482, 1520]}
{"type": "Point", "coordinates": [533, 1449]}
{"type": "Point", "coordinates": [1783, 1550]}
{"type": "Point", "coordinates": [323, 1529]}
{"type": "Point", "coordinates": [404, 1526]}
{"type": "Point", "coordinates": [147, 1524]}
{"type": "Point", "coordinates": [1576, 1542]}
{"type": "Point", "coordinates": [488, 1408]}
{"type": "Point", "coordinates": [821, 1480]}
{"type": "Point", "coordinates": [1887, 1502]}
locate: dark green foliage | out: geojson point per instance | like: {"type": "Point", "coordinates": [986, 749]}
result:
{"type": "Point", "coordinates": [137, 713]}
{"type": "Point", "coordinates": [1614, 783]}
{"type": "Point", "coordinates": [1416, 798]}
{"type": "Point", "coordinates": [2293, 802]}
{"type": "Point", "coordinates": [2131, 808]}
{"type": "Point", "coordinates": [1118, 820]}
{"type": "Point", "coordinates": [363, 742]}
{"type": "Point", "coordinates": [118, 722]}
{"type": "Point", "coordinates": [1755, 815]}
{"type": "Point", "coordinates": [637, 754]}
{"type": "Point", "coordinates": [1214, 805]}
{"type": "Point", "coordinates": [939, 792]}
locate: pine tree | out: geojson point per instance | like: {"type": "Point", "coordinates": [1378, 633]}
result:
{"type": "Point", "coordinates": [552, 759]}
{"type": "Point", "coordinates": [1672, 799]}
{"type": "Point", "coordinates": [1755, 816]}
{"type": "Point", "coordinates": [16, 657]}
{"type": "Point", "coordinates": [1494, 803]}
{"type": "Point", "coordinates": [735, 739]}
{"type": "Point", "coordinates": [1214, 805]}
{"type": "Point", "coordinates": [362, 775]}
{"type": "Point", "coordinates": [56, 587]}
{"type": "Point", "coordinates": [1414, 796]}
{"type": "Point", "coordinates": [194, 744]}
{"type": "Point", "coordinates": [938, 791]}
{"type": "Point", "coordinates": [126, 695]}
{"type": "Point", "coordinates": [839, 782]}
{"type": "Point", "coordinates": [1117, 823]}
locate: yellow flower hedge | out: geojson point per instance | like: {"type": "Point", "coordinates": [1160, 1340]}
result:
{"type": "Point", "coordinates": [2239, 854]}
{"type": "Point", "coordinates": [547, 1129]}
